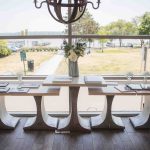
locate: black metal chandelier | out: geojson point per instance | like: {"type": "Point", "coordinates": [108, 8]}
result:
{"type": "Point", "coordinates": [56, 9]}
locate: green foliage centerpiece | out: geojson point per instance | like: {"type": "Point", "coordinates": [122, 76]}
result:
{"type": "Point", "coordinates": [73, 52]}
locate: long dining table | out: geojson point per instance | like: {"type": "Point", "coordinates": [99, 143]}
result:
{"type": "Point", "coordinates": [74, 122]}
{"type": "Point", "coordinates": [106, 120]}
{"type": "Point", "coordinates": [42, 121]}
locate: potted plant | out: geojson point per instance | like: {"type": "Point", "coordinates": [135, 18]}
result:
{"type": "Point", "coordinates": [73, 52]}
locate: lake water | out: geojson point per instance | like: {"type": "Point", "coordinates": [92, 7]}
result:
{"type": "Point", "coordinates": [58, 42]}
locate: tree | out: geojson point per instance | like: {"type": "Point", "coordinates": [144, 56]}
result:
{"type": "Point", "coordinates": [121, 27]}
{"type": "Point", "coordinates": [3, 43]}
{"type": "Point", "coordinates": [85, 25]}
{"type": "Point", "coordinates": [102, 31]}
{"type": "Point", "coordinates": [4, 51]}
{"type": "Point", "coordinates": [144, 27]}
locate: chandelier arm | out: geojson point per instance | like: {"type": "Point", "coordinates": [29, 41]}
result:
{"type": "Point", "coordinates": [58, 13]}
{"type": "Point", "coordinates": [74, 12]}
{"type": "Point", "coordinates": [56, 2]}
{"type": "Point", "coordinates": [98, 3]}
{"type": "Point", "coordinates": [52, 14]}
{"type": "Point", "coordinates": [57, 9]}
{"type": "Point", "coordinates": [81, 7]}
{"type": "Point", "coordinates": [35, 2]}
{"type": "Point", "coordinates": [79, 16]}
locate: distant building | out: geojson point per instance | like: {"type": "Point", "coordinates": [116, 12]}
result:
{"type": "Point", "coordinates": [33, 42]}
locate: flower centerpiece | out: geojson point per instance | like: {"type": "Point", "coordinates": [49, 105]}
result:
{"type": "Point", "coordinates": [73, 52]}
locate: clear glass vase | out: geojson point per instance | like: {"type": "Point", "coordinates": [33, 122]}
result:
{"type": "Point", "coordinates": [73, 69]}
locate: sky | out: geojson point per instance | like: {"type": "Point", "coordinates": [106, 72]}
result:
{"type": "Point", "coordinates": [17, 15]}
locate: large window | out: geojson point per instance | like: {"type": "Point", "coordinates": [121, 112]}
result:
{"type": "Point", "coordinates": [45, 56]}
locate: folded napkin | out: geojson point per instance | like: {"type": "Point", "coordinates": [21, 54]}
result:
{"type": "Point", "coordinates": [94, 79]}
{"type": "Point", "coordinates": [62, 79]}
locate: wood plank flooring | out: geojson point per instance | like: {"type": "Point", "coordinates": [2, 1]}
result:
{"type": "Point", "coordinates": [129, 139]}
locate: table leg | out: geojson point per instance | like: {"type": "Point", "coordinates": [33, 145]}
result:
{"type": "Point", "coordinates": [74, 122]}
{"type": "Point", "coordinates": [107, 120]}
{"type": "Point", "coordinates": [6, 121]}
{"type": "Point", "coordinates": [143, 119]}
{"type": "Point", "coordinates": [42, 121]}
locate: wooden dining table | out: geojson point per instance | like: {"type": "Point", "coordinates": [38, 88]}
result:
{"type": "Point", "coordinates": [74, 122]}
{"type": "Point", "coordinates": [42, 121]}
{"type": "Point", "coordinates": [106, 120]}
{"type": "Point", "coordinates": [109, 121]}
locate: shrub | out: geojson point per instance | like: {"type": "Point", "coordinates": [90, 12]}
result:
{"type": "Point", "coordinates": [45, 49]}
{"type": "Point", "coordinates": [53, 49]}
{"type": "Point", "coordinates": [33, 49]}
{"type": "Point", "coordinates": [4, 51]}
{"type": "Point", "coordinates": [40, 49]}
{"type": "Point", "coordinates": [25, 49]}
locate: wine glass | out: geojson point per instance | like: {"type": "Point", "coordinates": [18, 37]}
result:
{"type": "Point", "coordinates": [129, 76]}
{"type": "Point", "coordinates": [19, 77]}
{"type": "Point", "coordinates": [145, 74]}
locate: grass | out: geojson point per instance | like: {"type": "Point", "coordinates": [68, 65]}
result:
{"type": "Point", "coordinates": [112, 61]}
{"type": "Point", "coordinates": [13, 64]}
{"type": "Point", "coordinates": [116, 50]}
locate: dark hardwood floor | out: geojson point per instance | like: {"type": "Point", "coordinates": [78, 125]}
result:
{"type": "Point", "coordinates": [129, 139]}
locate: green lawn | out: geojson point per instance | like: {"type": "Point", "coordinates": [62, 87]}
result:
{"type": "Point", "coordinates": [111, 61]}
{"type": "Point", "coordinates": [12, 64]}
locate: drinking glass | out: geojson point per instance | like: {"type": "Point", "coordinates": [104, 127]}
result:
{"type": "Point", "coordinates": [19, 76]}
{"type": "Point", "coordinates": [145, 74]}
{"type": "Point", "coordinates": [129, 76]}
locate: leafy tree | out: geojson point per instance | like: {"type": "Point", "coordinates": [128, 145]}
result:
{"type": "Point", "coordinates": [3, 43]}
{"type": "Point", "coordinates": [136, 21]}
{"type": "Point", "coordinates": [4, 51]}
{"type": "Point", "coordinates": [121, 27]}
{"type": "Point", "coordinates": [85, 25]}
{"type": "Point", "coordinates": [144, 26]}
{"type": "Point", "coordinates": [102, 31]}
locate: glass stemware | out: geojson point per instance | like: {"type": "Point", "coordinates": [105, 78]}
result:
{"type": "Point", "coordinates": [145, 74]}
{"type": "Point", "coordinates": [19, 77]}
{"type": "Point", "coordinates": [129, 76]}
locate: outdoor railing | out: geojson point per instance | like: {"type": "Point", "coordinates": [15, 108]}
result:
{"type": "Point", "coordinates": [77, 36]}
{"type": "Point", "coordinates": [121, 78]}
